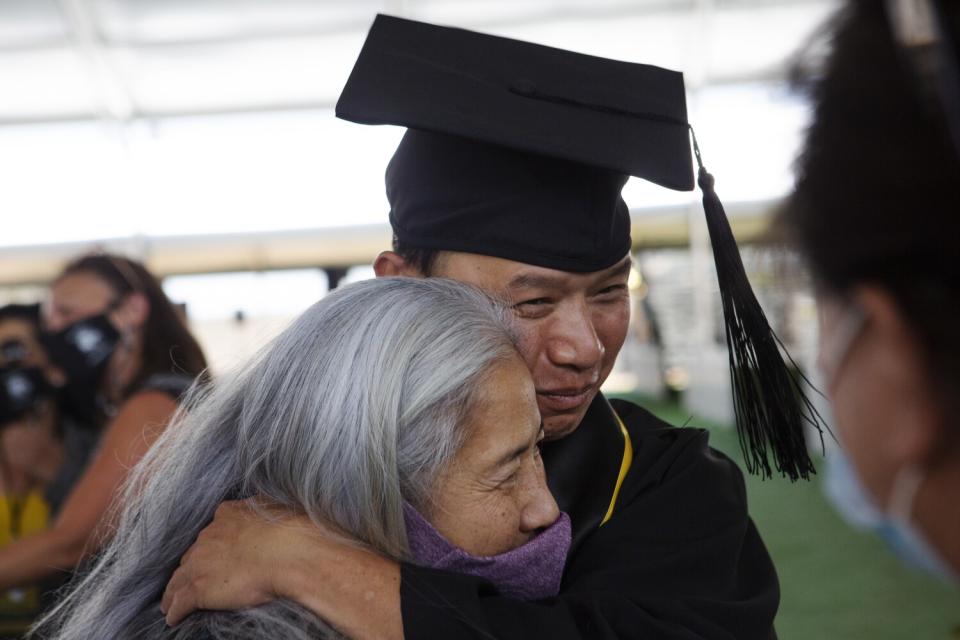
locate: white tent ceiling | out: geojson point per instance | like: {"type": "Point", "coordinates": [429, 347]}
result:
{"type": "Point", "coordinates": [114, 115]}
{"type": "Point", "coordinates": [123, 59]}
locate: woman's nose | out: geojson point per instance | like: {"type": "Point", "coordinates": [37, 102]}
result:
{"type": "Point", "coordinates": [541, 509]}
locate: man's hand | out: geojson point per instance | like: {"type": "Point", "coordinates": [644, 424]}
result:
{"type": "Point", "coordinates": [243, 559]}
{"type": "Point", "coordinates": [232, 562]}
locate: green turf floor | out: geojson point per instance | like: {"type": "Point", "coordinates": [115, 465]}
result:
{"type": "Point", "coordinates": [837, 583]}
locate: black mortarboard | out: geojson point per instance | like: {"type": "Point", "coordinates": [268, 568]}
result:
{"type": "Point", "coordinates": [520, 151]}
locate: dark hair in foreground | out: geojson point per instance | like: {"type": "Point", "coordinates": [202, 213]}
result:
{"type": "Point", "coordinates": [168, 345]}
{"type": "Point", "coordinates": [877, 199]}
{"type": "Point", "coordinates": [425, 260]}
{"type": "Point", "coordinates": [353, 409]}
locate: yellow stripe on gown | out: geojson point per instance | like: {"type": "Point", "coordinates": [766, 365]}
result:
{"type": "Point", "coordinates": [625, 463]}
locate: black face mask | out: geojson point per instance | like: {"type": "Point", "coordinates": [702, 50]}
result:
{"type": "Point", "coordinates": [82, 351]}
{"type": "Point", "coordinates": [21, 390]}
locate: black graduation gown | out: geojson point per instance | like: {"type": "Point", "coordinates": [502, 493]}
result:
{"type": "Point", "coordinates": [679, 558]}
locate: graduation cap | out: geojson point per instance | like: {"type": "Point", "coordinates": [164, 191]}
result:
{"type": "Point", "coordinates": [520, 151]}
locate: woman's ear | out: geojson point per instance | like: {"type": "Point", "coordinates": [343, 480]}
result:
{"type": "Point", "coordinates": [898, 355]}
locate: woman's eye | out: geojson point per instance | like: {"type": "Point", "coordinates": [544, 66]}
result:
{"type": "Point", "coordinates": [509, 480]}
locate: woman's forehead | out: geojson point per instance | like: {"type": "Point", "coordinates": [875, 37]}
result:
{"type": "Point", "coordinates": [81, 284]}
{"type": "Point", "coordinates": [17, 329]}
{"type": "Point", "coordinates": [506, 417]}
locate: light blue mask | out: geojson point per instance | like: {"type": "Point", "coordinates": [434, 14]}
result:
{"type": "Point", "coordinates": [850, 498]}
{"type": "Point", "coordinates": [895, 527]}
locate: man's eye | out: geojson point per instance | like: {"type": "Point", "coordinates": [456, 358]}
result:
{"type": "Point", "coordinates": [534, 302]}
{"type": "Point", "coordinates": [614, 289]}
{"type": "Point", "coordinates": [534, 308]}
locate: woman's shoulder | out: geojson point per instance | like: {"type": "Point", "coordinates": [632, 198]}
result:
{"type": "Point", "coordinates": [159, 393]}
{"type": "Point", "coordinates": [145, 402]}
{"type": "Point", "coordinates": [139, 420]}
{"type": "Point", "coordinates": [171, 383]}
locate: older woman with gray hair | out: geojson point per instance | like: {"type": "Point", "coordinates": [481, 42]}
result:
{"type": "Point", "coordinates": [395, 412]}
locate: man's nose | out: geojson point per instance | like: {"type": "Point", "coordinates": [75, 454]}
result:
{"type": "Point", "coordinates": [540, 510]}
{"type": "Point", "coordinates": [573, 340]}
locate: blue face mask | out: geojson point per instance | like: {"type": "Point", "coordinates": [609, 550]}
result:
{"type": "Point", "coordinates": [895, 527]}
{"type": "Point", "coordinates": [847, 493]}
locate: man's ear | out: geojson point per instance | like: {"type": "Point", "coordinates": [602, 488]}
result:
{"type": "Point", "coordinates": [391, 263]}
{"type": "Point", "coordinates": [899, 354]}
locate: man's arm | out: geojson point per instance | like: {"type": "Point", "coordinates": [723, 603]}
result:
{"type": "Point", "coordinates": [243, 559]}
{"type": "Point", "coordinates": [680, 559]}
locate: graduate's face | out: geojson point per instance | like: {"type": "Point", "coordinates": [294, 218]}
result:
{"type": "Point", "coordinates": [493, 496]}
{"type": "Point", "coordinates": [572, 326]}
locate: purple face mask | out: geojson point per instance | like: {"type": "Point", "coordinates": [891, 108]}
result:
{"type": "Point", "coordinates": [532, 571]}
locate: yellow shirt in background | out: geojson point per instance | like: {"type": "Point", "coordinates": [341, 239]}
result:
{"type": "Point", "coordinates": [21, 516]}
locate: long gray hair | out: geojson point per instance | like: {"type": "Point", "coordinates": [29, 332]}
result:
{"type": "Point", "coordinates": [351, 410]}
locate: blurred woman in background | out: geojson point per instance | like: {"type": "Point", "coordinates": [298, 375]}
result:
{"type": "Point", "coordinates": [31, 452]}
{"type": "Point", "coordinates": [41, 454]}
{"type": "Point", "coordinates": [877, 212]}
{"type": "Point", "coordinates": [123, 357]}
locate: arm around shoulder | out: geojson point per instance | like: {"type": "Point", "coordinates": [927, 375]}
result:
{"type": "Point", "coordinates": [242, 559]}
{"type": "Point", "coordinates": [679, 560]}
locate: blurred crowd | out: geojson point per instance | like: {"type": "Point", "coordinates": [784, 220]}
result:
{"type": "Point", "coordinates": [88, 379]}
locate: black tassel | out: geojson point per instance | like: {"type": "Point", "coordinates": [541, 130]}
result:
{"type": "Point", "coordinates": [769, 401]}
